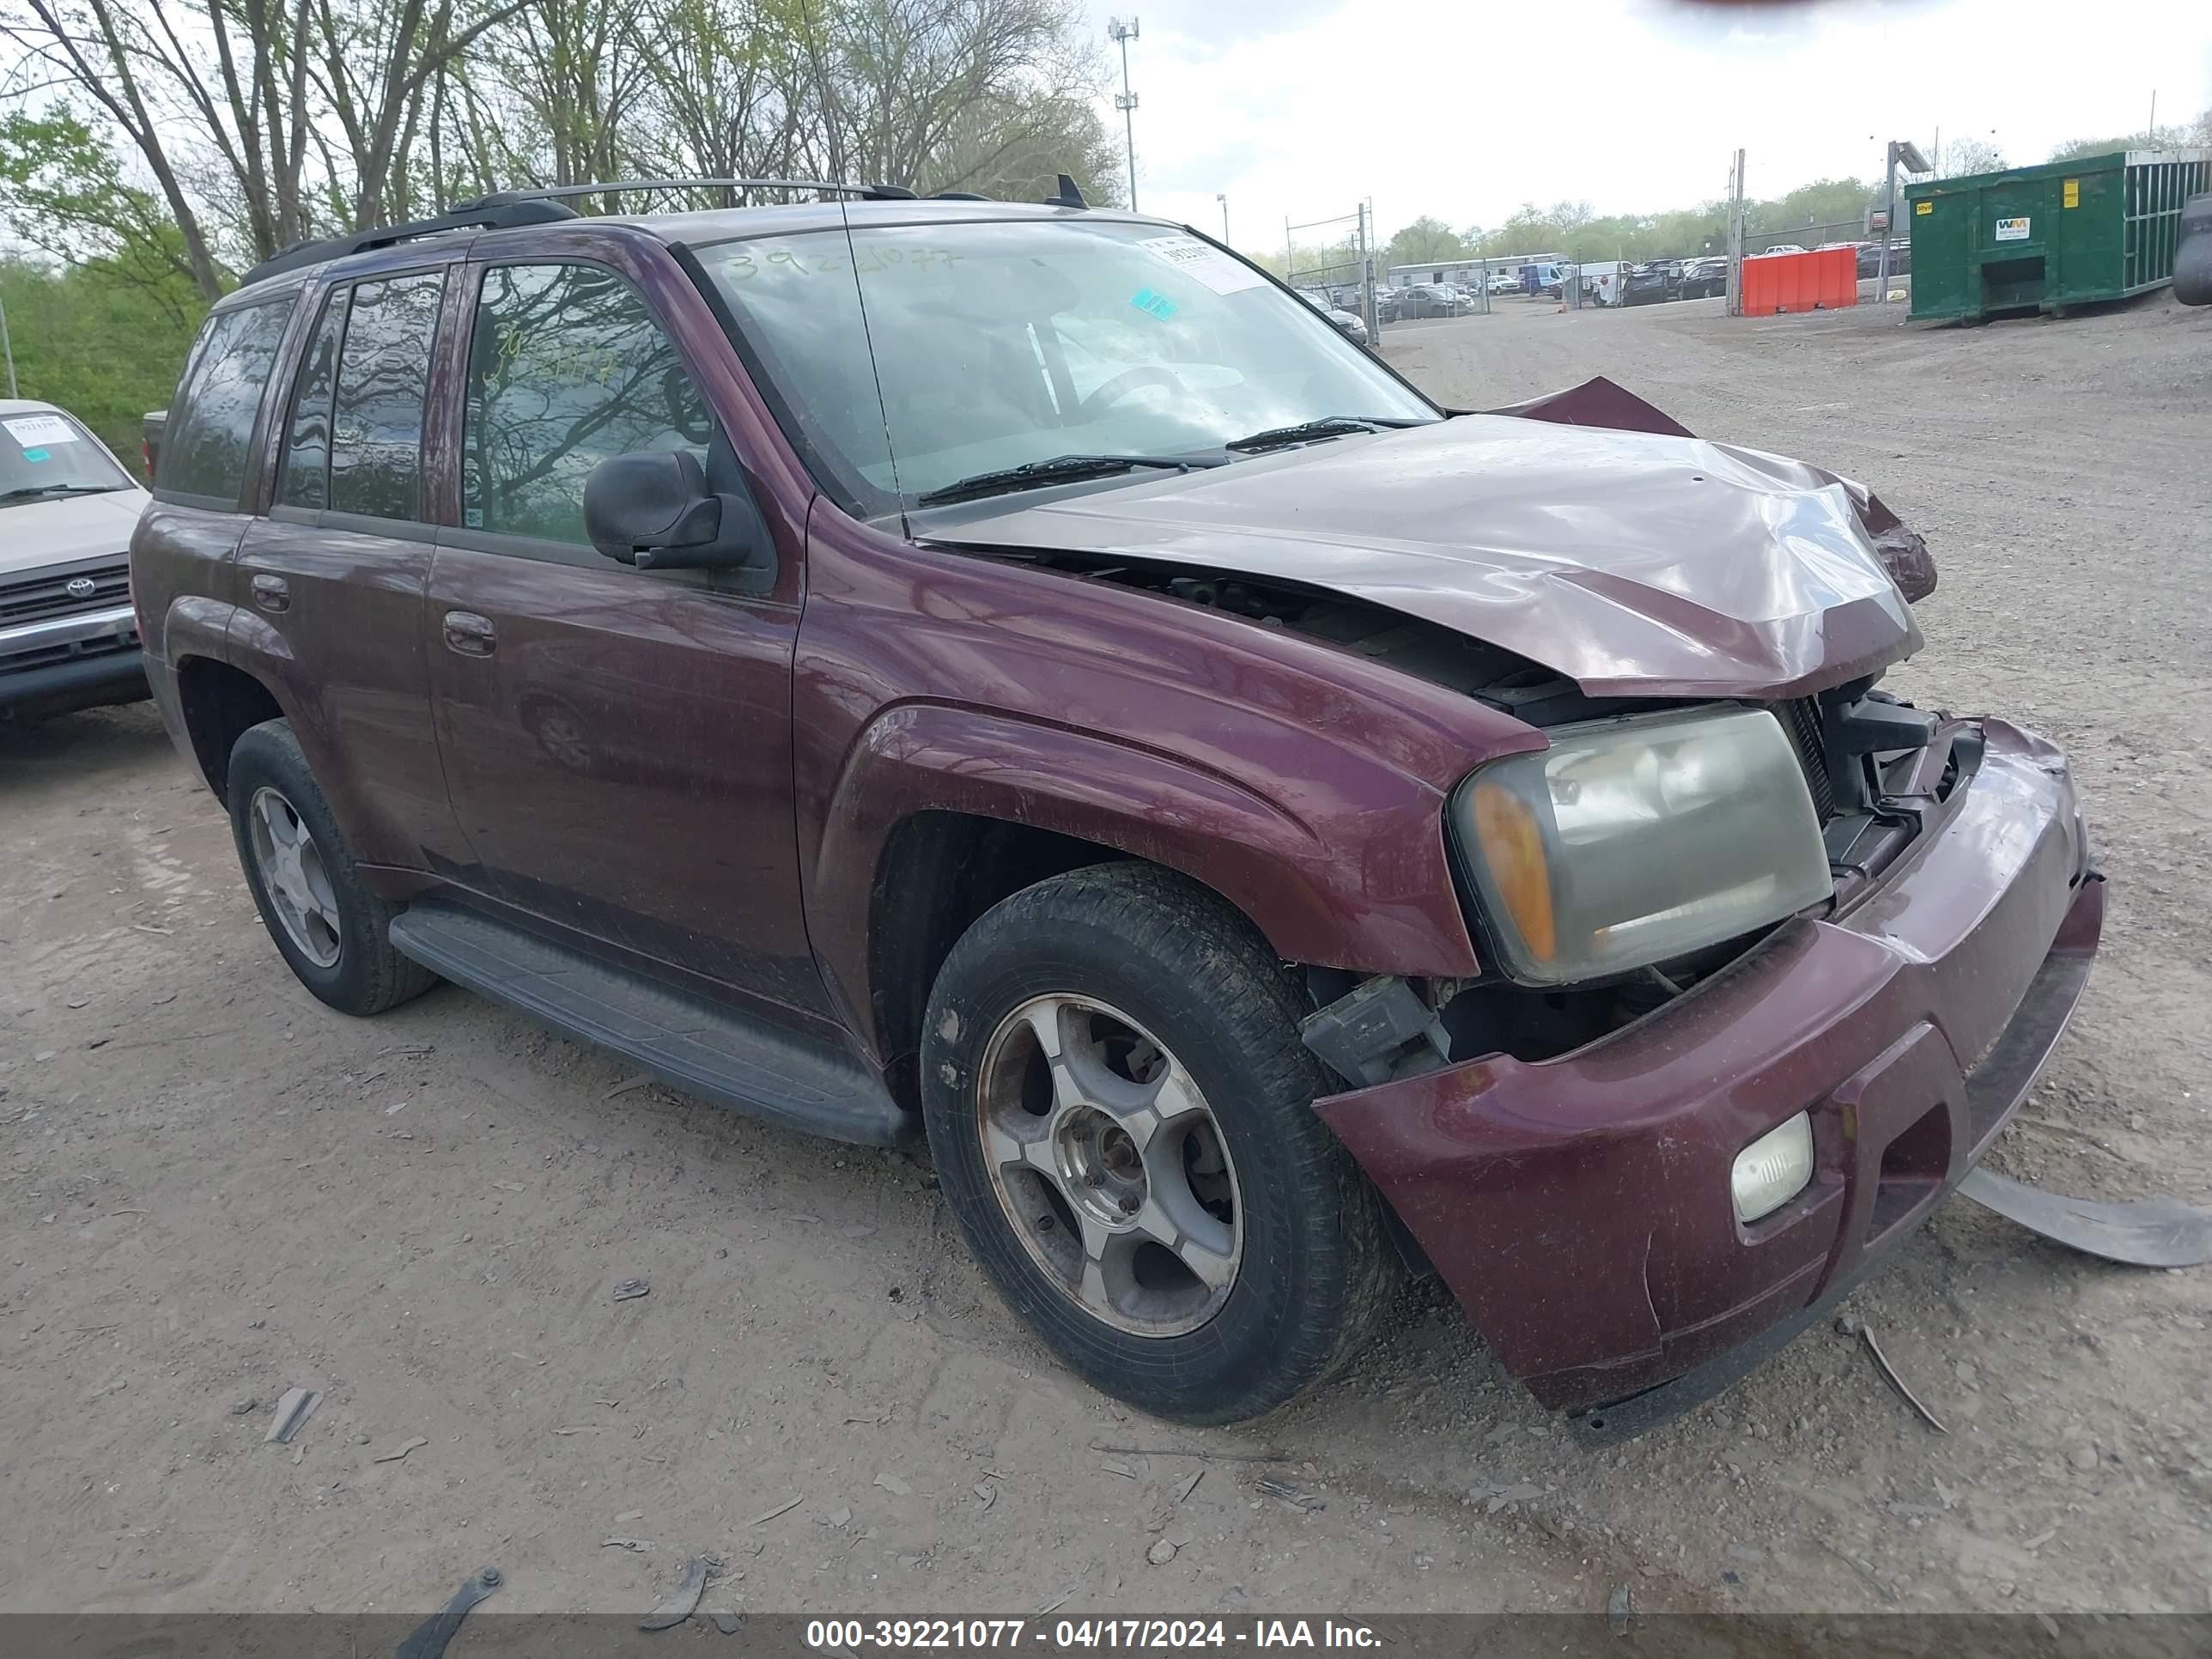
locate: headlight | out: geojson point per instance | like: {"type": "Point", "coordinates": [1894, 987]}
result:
{"type": "Point", "coordinates": [1630, 841]}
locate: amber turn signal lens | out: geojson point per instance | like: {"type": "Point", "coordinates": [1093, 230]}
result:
{"type": "Point", "coordinates": [1513, 847]}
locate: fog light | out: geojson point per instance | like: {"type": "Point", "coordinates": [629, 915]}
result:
{"type": "Point", "coordinates": [1773, 1169]}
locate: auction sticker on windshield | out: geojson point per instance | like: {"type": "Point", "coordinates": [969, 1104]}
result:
{"type": "Point", "coordinates": [30, 430]}
{"type": "Point", "coordinates": [1195, 260]}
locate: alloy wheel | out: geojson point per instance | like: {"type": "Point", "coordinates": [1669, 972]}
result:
{"type": "Point", "coordinates": [294, 877]}
{"type": "Point", "coordinates": [1109, 1166]}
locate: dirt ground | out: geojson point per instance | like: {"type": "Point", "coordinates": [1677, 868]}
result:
{"type": "Point", "coordinates": [215, 1189]}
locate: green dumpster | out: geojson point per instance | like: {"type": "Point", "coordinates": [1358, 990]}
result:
{"type": "Point", "coordinates": [2037, 239]}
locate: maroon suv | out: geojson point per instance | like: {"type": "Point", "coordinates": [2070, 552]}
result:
{"type": "Point", "coordinates": [1016, 674]}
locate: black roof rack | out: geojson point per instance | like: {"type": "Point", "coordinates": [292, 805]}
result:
{"type": "Point", "coordinates": [492, 213]}
{"type": "Point", "coordinates": [552, 193]}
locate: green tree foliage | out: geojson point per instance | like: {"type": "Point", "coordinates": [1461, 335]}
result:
{"type": "Point", "coordinates": [63, 190]}
{"type": "Point", "coordinates": [1426, 240]}
{"type": "Point", "coordinates": [87, 338]}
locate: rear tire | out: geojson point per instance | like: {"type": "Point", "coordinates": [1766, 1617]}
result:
{"type": "Point", "coordinates": [1170, 1015]}
{"type": "Point", "coordinates": [331, 931]}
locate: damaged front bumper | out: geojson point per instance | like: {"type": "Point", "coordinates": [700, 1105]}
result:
{"type": "Point", "coordinates": [1579, 1206]}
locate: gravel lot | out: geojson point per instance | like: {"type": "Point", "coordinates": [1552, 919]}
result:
{"type": "Point", "coordinates": [215, 1189]}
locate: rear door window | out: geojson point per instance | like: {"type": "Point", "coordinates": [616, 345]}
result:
{"type": "Point", "coordinates": [304, 481]}
{"type": "Point", "coordinates": [376, 417]}
{"type": "Point", "coordinates": [567, 367]}
{"type": "Point", "coordinates": [203, 454]}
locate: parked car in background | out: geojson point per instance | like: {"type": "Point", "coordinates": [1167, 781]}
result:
{"type": "Point", "coordinates": [1386, 303]}
{"type": "Point", "coordinates": [1348, 323]}
{"type": "Point", "coordinates": [67, 637]}
{"type": "Point", "coordinates": [1704, 278]}
{"type": "Point", "coordinates": [1648, 284]}
{"type": "Point", "coordinates": [1267, 834]}
{"type": "Point", "coordinates": [1429, 300]}
{"type": "Point", "coordinates": [1502, 281]}
{"type": "Point", "coordinates": [1775, 248]}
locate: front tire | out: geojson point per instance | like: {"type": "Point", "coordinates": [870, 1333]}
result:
{"type": "Point", "coordinates": [331, 931]}
{"type": "Point", "coordinates": [1120, 1113]}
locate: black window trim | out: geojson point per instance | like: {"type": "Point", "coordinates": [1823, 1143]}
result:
{"type": "Point", "coordinates": [249, 477]}
{"type": "Point", "coordinates": [545, 549]}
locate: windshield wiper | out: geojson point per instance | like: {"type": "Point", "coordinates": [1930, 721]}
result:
{"type": "Point", "coordinates": [1060, 468]}
{"type": "Point", "coordinates": [27, 492]}
{"type": "Point", "coordinates": [1328, 426]}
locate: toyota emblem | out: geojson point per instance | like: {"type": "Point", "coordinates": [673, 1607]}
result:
{"type": "Point", "coordinates": [83, 587]}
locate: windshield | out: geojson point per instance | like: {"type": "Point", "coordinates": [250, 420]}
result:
{"type": "Point", "coordinates": [43, 454]}
{"type": "Point", "coordinates": [999, 344]}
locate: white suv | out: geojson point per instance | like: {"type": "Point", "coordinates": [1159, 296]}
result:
{"type": "Point", "coordinates": [68, 639]}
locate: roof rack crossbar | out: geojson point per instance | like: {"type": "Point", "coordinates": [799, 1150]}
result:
{"type": "Point", "coordinates": [555, 192]}
{"type": "Point", "coordinates": [492, 213]}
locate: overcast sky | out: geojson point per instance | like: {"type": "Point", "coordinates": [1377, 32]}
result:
{"type": "Point", "coordinates": [1466, 108]}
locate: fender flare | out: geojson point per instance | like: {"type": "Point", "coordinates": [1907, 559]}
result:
{"type": "Point", "coordinates": [1313, 902]}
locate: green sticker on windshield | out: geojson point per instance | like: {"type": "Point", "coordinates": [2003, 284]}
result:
{"type": "Point", "coordinates": [37, 455]}
{"type": "Point", "coordinates": [1156, 304]}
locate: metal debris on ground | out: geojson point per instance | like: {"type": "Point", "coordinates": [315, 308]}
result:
{"type": "Point", "coordinates": [1292, 1496]}
{"type": "Point", "coordinates": [784, 1508]}
{"type": "Point", "coordinates": [638, 1544]}
{"type": "Point", "coordinates": [1189, 1485]}
{"type": "Point", "coordinates": [400, 1450]}
{"type": "Point", "coordinates": [684, 1599]}
{"type": "Point", "coordinates": [429, 1637]}
{"type": "Point", "coordinates": [631, 1288]}
{"type": "Point", "coordinates": [1881, 1361]}
{"type": "Point", "coordinates": [1619, 1608]}
{"type": "Point", "coordinates": [292, 1411]}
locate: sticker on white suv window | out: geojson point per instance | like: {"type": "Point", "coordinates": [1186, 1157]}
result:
{"type": "Point", "coordinates": [32, 429]}
{"type": "Point", "coordinates": [1201, 263]}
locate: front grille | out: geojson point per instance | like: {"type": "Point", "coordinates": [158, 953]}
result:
{"type": "Point", "coordinates": [1801, 717]}
{"type": "Point", "coordinates": [42, 594]}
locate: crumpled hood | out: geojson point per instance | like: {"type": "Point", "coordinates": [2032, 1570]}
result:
{"type": "Point", "coordinates": [1636, 564]}
{"type": "Point", "coordinates": [67, 528]}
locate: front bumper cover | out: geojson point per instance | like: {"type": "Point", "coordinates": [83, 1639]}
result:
{"type": "Point", "coordinates": [1578, 1206]}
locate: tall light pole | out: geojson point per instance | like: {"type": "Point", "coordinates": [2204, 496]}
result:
{"type": "Point", "coordinates": [1126, 101]}
{"type": "Point", "coordinates": [1221, 196]}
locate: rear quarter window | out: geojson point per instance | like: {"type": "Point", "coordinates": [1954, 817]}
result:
{"type": "Point", "coordinates": [205, 452]}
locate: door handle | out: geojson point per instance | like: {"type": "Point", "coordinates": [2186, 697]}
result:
{"type": "Point", "coordinates": [272, 593]}
{"type": "Point", "coordinates": [469, 633]}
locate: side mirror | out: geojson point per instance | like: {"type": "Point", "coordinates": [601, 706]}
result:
{"type": "Point", "coordinates": [656, 510]}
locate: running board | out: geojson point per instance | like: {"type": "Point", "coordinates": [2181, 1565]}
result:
{"type": "Point", "coordinates": [704, 1048]}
